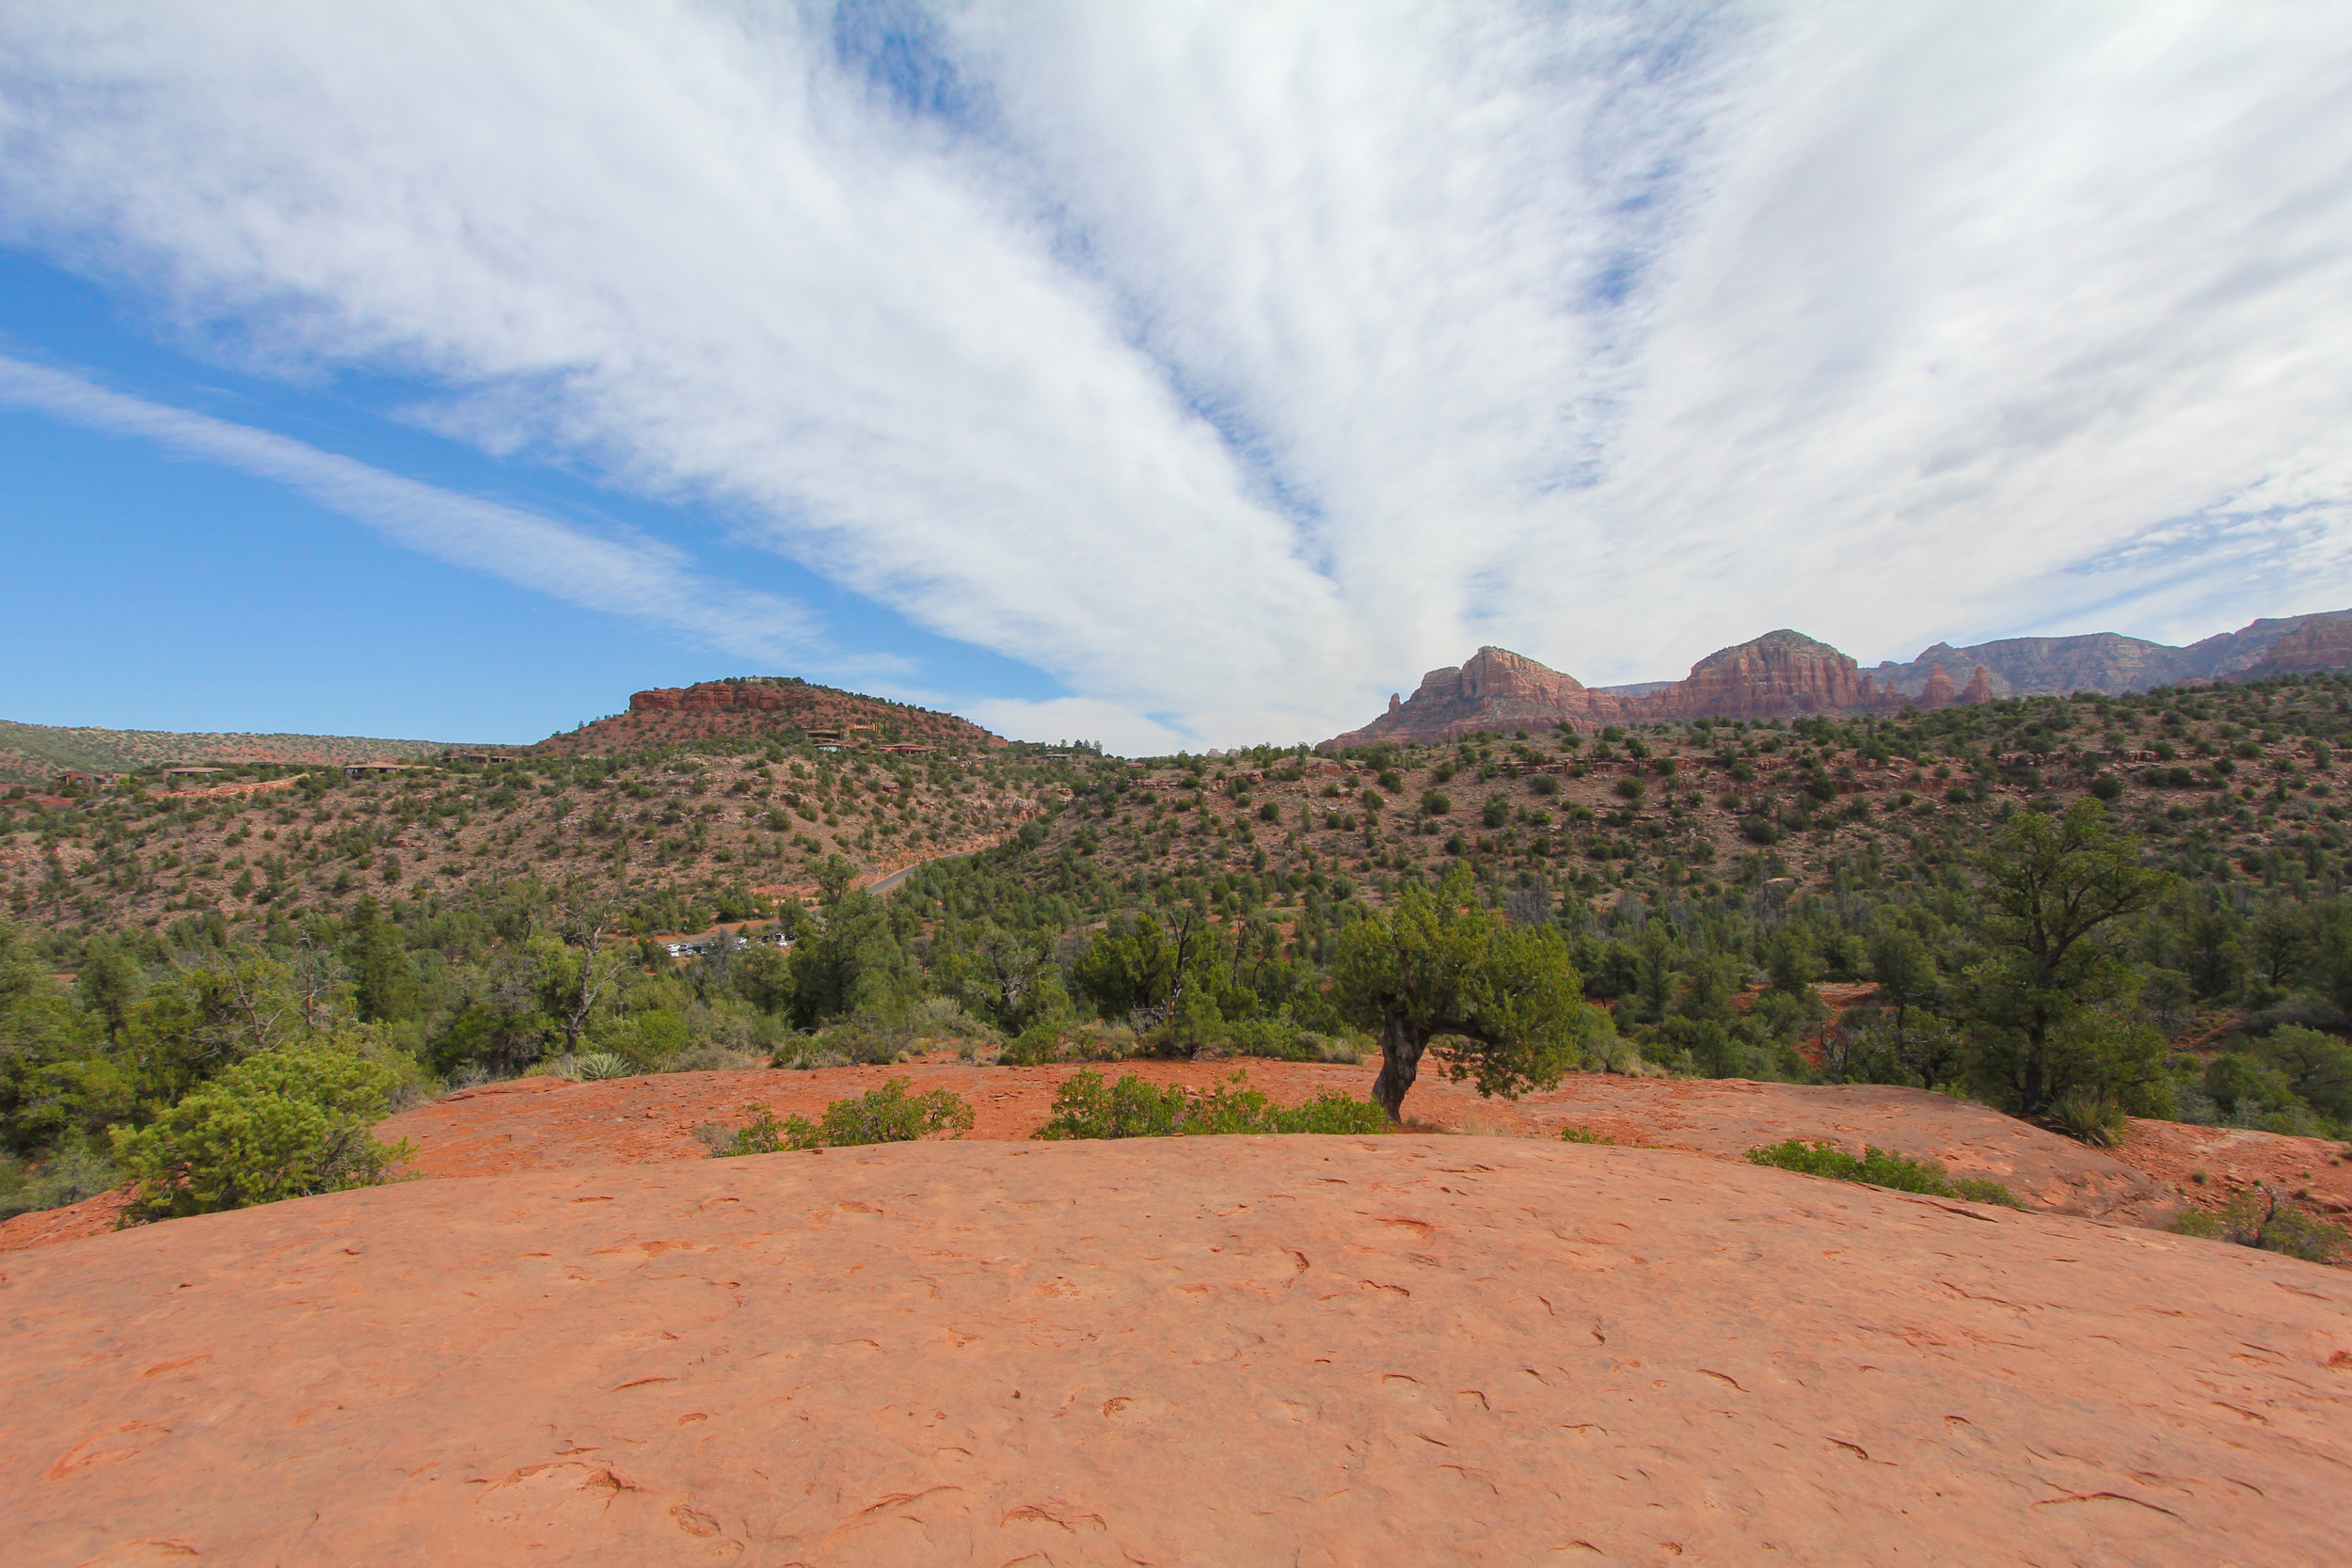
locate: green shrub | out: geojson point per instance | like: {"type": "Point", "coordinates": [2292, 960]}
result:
{"type": "Point", "coordinates": [871, 1037]}
{"type": "Point", "coordinates": [1880, 1167]}
{"type": "Point", "coordinates": [593, 1065]}
{"type": "Point", "coordinates": [69, 1176]}
{"type": "Point", "coordinates": [1978, 1189]}
{"type": "Point", "coordinates": [1573, 1135]}
{"type": "Point", "coordinates": [885, 1115]}
{"type": "Point", "coordinates": [1033, 1047]}
{"type": "Point", "coordinates": [2254, 1217]}
{"type": "Point", "coordinates": [279, 1124]}
{"type": "Point", "coordinates": [1085, 1107]}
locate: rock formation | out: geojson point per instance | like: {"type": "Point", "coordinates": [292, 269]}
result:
{"type": "Point", "coordinates": [1478, 1351]}
{"type": "Point", "coordinates": [2100, 661]}
{"type": "Point", "coordinates": [2320, 643]}
{"type": "Point", "coordinates": [1786, 674]}
{"type": "Point", "coordinates": [670, 715]}
{"type": "Point", "coordinates": [1780, 674]}
{"type": "Point", "coordinates": [1497, 689]}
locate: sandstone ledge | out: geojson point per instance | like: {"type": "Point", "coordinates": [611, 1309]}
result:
{"type": "Point", "coordinates": [1212, 1350]}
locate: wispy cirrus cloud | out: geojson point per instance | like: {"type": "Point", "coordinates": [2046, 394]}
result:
{"type": "Point", "coordinates": [1235, 362]}
{"type": "Point", "coordinates": [644, 580]}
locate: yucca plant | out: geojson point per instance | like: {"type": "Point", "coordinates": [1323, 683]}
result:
{"type": "Point", "coordinates": [592, 1065]}
{"type": "Point", "coordinates": [2093, 1118]}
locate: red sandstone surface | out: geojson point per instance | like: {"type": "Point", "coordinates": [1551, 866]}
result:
{"type": "Point", "coordinates": [2313, 1174]}
{"type": "Point", "coordinates": [554, 1124]}
{"type": "Point", "coordinates": [522, 1126]}
{"type": "Point", "coordinates": [1316, 1350]}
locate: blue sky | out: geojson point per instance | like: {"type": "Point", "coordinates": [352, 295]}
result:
{"type": "Point", "coordinates": [1172, 376]}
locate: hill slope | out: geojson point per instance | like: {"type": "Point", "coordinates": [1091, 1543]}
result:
{"type": "Point", "coordinates": [32, 754]}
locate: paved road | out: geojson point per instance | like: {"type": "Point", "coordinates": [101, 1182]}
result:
{"type": "Point", "coordinates": [883, 886]}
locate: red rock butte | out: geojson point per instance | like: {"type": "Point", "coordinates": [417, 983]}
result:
{"type": "Point", "coordinates": [1320, 1350]}
{"type": "Point", "coordinates": [671, 715]}
{"type": "Point", "coordinates": [1786, 674]}
{"type": "Point", "coordinates": [1780, 674]}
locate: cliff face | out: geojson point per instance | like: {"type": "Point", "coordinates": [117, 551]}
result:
{"type": "Point", "coordinates": [2100, 661]}
{"type": "Point", "coordinates": [1497, 689]}
{"type": "Point", "coordinates": [2320, 643]}
{"type": "Point", "coordinates": [709, 709]}
{"type": "Point", "coordinates": [1779, 674]}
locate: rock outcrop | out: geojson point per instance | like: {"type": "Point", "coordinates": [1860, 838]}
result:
{"type": "Point", "coordinates": [1786, 674]}
{"type": "Point", "coordinates": [2321, 642]}
{"type": "Point", "coordinates": [1218, 1350]}
{"type": "Point", "coordinates": [1497, 689]}
{"type": "Point", "coordinates": [2100, 661]}
{"type": "Point", "coordinates": [1779, 676]}
{"type": "Point", "coordinates": [764, 705]}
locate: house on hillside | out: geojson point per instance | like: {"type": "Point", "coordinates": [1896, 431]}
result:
{"type": "Point", "coordinates": [89, 784]}
{"type": "Point", "coordinates": [379, 769]}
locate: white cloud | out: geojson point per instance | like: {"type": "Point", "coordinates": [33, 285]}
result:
{"type": "Point", "coordinates": [641, 578]}
{"type": "Point", "coordinates": [1119, 730]}
{"type": "Point", "coordinates": [1235, 362]}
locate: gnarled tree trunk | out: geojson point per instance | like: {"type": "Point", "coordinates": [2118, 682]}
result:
{"type": "Point", "coordinates": [1401, 1045]}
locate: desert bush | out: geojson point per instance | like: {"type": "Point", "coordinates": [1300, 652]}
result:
{"type": "Point", "coordinates": [885, 1115]}
{"type": "Point", "coordinates": [2254, 1217]}
{"type": "Point", "coordinates": [590, 1066]}
{"type": "Point", "coordinates": [2089, 1118]}
{"type": "Point", "coordinates": [1131, 1108]}
{"type": "Point", "coordinates": [867, 1038]}
{"type": "Point", "coordinates": [1575, 1135]}
{"type": "Point", "coordinates": [1033, 1047]}
{"type": "Point", "coordinates": [279, 1124]}
{"type": "Point", "coordinates": [712, 1058]}
{"type": "Point", "coordinates": [66, 1177]}
{"type": "Point", "coordinates": [1880, 1167]}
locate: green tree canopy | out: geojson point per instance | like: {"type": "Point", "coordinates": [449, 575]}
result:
{"type": "Point", "coordinates": [1435, 966]}
{"type": "Point", "coordinates": [2050, 1001]}
{"type": "Point", "coordinates": [279, 1124]}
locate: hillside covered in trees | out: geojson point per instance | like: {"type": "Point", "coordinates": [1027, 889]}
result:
{"type": "Point", "coordinates": [1696, 885]}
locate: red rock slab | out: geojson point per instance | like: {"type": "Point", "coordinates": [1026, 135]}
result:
{"type": "Point", "coordinates": [1214, 1351]}
{"type": "Point", "coordinates": [2313, 1174]}
{"type": "Point", "coordinates": [541, 1123]}
{"type": "Point", "coordinates": [1728, 1116]}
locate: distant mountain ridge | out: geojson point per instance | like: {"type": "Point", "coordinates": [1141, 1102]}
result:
{"type": "Point", "coordinates": [2100, 661]}
{"type": "Point", "coordinates": [1784, 674]}
{"type": "Point", "coordinates": [35, 753]}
